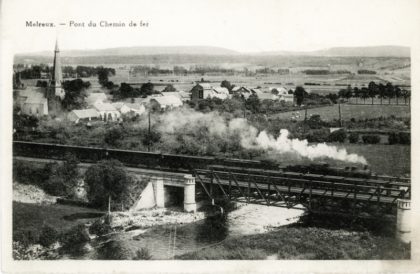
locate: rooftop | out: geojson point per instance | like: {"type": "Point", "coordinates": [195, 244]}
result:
{"type": "Point", "coordinates": [85, 113]}
{"type": "Point", "coordinates": [104, 106]}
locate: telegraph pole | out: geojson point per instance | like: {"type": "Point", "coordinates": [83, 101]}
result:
{"type": "Point", "coordinates": [339, 114]}
{"type": "Point", "coordinates": [148, 141]}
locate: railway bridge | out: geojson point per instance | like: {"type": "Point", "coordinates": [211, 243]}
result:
{"type": "Point", "coordinates": [345, 195]}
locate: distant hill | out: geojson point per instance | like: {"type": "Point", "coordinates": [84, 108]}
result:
{"type": "Point", "coordinates": [374, 51]}
{"type": "Point", "coordinates": [135, 51]}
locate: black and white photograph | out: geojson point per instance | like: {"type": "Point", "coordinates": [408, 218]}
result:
{"type": "Point", "coordinates": [188, 131]}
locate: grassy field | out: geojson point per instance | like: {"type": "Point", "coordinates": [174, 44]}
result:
{"type": "Point", "coordinates": [61, 217]}
{"type": "Point", "coordinates": [393, 160]}
{"type": "Point", "coordinates": [350, 111]}
{"type": "Point", "coordinates": [305, 243]}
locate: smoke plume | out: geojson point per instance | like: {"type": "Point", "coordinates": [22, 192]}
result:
{"type": "Point", "coordinates": [188, 121]}
{"type": "Point", "coordinates": [283, 144]}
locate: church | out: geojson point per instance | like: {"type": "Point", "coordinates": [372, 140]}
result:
{"type": "Point", "coordinates": [40, 101]}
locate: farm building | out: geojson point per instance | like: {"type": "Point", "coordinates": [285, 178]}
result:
{"type": "Point", "coordinates": [134, 108]}
{"type": "Point", "coordinates": [78, 115]}
{"type": "Point", "coordinates": [264, 95]}
{"type": "Point", "coordinates": [166, 101]}
{"type": "Point", "coordinates": [201, 91]}
{"type": "Point", "coordinates": [205, 90]}
{"type": "Point", "coordinates": [107, 111]}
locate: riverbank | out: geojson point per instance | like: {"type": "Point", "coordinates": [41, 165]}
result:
{"type": "Point", "coordinates": [152, 217]}
{"type": "Point", "coordinates": [305, 243]}
{"type": "Point", "coordinates": [31, 194]}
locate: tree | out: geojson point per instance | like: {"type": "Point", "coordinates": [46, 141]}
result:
{"type": "Point", "coordinates": [107, 180]}
{"type": "Point", "coordinates": [356, 93]}
{"type": "Point", "coordinates": [372, 90]}
{"type": "Point", "coordinates": [75, 94]}
{"type": "Point", "coordinates": [253, 103]}
{"type": "Point", "coordinates": [147, 89]}
{"type": "Point", "coordinates": [300, 94]}
{"type": "Point", "coordinates": [64, 177]}
{"type": "Point", "coordinates": [397, 91]}
{"type": "Point", "coordinates": [126, 91]}
{"type": "Point", "coordinates": [405, 94]}
{"type": "Point", "coordinates": [365, 94]}
{"type": "Point", "coordinates": [103, 74]}
{"type": "Point", "coordinates": [389, 91]}
{"type": "Point", "coordinates": [381, 91]}
{"type": "Point", "coordinates": [169, 88]}
{"type": "Point", "coordinates": [227, 84]}
{"type": "Point", "coordinates": [113, 136]}
{"type": "Point", "coordinates": [333, 97]}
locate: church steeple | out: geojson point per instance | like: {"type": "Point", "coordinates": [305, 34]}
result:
{"type": "Point", "coordinates": [57, 76]}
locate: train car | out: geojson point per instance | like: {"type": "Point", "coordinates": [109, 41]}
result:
{"type": "Point", "coordinates": [325, 169]}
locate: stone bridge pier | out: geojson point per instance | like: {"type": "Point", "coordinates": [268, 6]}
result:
{"type": "Point", "coordinates": [154, 193]}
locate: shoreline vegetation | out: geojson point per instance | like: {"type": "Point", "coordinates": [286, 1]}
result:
{"type": "Point", "coordinates": [313, 237]}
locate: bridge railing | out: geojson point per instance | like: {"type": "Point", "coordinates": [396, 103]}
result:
{"type": "Point", "coordinates": [265, 185]}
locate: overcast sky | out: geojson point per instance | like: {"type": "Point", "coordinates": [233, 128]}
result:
{"type": "Point", "coordinates": [245, 26]}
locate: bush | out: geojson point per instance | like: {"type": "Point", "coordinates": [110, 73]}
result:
{"type": "Point", "coordinates": [371, 139]}
{"type": "Point", "coordinates": [48, 236]}
{"type": "Point", "coordinates": [28, 173]}
{"type": "Point", "coordinates": [393, 138]}
{"type": "Point", "coordinates": [26, 237]}
{"type": "Point", "coordinates": [63, 177]}
{"type": "Point", "coordinates": [76, 235]}
{"type": "Point", "coordinates": [114, 250]}
{"type": "Point", "coordinates": [318, 136]}
{"type": "Point", "coordinates": [113, 136]}
{"type": "Point", "coordinates": [100, 227]}
{"type": "Point", "coordinates": [142, 254]}
{"type": "Point", "coordinates": [315, 122]}
{"type": "Point", "coordinates": [337, 136]}
{"type": "Point", "coordinates": [107, 179]}
{"type": "Point", "coordinates": [403, 138]}
{"type": "Point", "coordinates": [354, 137]}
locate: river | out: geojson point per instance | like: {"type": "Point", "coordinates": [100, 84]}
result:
{"type": "Point", "coordinates": [168, 241]}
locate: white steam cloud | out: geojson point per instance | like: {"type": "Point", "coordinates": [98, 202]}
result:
{"type": "Point", "coordinates": [283, 144]}
{"type": "Point", "coordinates": [186, 120]}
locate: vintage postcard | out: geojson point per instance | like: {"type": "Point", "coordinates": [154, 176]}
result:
{"type": "Point", "coordinates": [210, 136]}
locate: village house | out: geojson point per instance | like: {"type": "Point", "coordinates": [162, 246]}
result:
{"type": "Point", "coordinates": [78, 115]}
{"type": "Point", "coordinates": [133, 108]}
{"type": "Point", "coordinates": [283, 94]}
{"type": "Point", "coordinates": [166, 101]}
{"type": "Point", "coordinates": [205, 90]}
{"type": "Point", "coordinates": [243, 91]}
{"type": "Point", "coordinates": [32, 101]}
{"type": "Point", "coordinates": [107, 111]}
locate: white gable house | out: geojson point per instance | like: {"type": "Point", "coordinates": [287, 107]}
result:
{"type": "Point", "coordinates": [107, 111]}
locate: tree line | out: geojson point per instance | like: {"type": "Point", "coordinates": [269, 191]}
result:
{"type": "Point", "coordinates": [35, 72]}
{"type": "Point", "coordinates": [374, 90]}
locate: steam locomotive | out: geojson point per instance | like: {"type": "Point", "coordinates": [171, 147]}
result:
{"type": "Point", "coordinates": [172, 162]}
